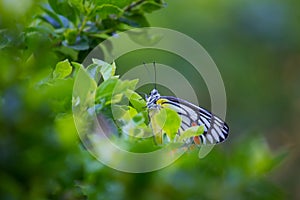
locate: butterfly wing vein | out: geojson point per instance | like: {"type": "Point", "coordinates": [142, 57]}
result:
{"type": "Point", "coordinates": [215, 129]}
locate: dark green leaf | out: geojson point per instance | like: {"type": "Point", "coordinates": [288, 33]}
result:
{"type": "Point", "coordinates": [118, 3]}
{"type": "Point", "coordinates": [63, 7]}
{"type": "Point", "coordinates": [55, 21]}
{"type": "Point", "coordinates": [148, 7]}
{"type": "Point", "coordinates": [80, 44]}
{"type": "Point", "coordinates": [69, 52]}
{"type": "Point", "coordinates": [4, 40]}
{"type": "Point", "coordinates": [107, 11]}
{"type": "Point", "coordinates": [41, 29]}
{"type": "Point", "coordinates": [137, 20]}
{"type": "Point", "coordinates": [78, 4]}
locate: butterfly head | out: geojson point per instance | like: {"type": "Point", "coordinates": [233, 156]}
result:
{"type": "Point", "coordinates": [152, 99]}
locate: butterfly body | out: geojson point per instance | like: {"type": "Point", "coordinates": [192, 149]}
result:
{"type": "Point", "coordinates": [215, 129]}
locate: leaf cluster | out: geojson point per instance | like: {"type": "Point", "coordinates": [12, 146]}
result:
{"type": "Point", "coordinates": [117, 101]}
{"type": "Point", "coordinates": [79, 25]}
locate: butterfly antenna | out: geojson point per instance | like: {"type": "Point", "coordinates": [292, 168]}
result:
{"type": "Point", "coordinates": [154, 74]}
{"type": "Point", "coordinates": [147, 68]}
{"type": "Point", "coordinates": [145, 65]}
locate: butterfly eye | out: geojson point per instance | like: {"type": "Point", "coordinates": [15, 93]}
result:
{"type": "Point", "coordinates": [154, 92]}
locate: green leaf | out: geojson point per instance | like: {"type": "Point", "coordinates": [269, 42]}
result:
{"type": "Point", "coordinates": [147, 7]}
{"type": "Point", "coordinates": [71, 36]}
{"type": "Point", "coordinates": [136, 100]}
{"type": "Point", "coordinates": [94, 71]}
{"type": "Point", "coordinates": [107, 11]}
{"type": "Point", "coordinates": [191, 132]}
{"type": "Point", "coordinates": [64, 8]}
{"type": "Point", "coordinates": [169, 121]}
{"type": "Point", "coordinates": [127, 112]}
{"type": "Point", "coordinates": [106, 70]}
{"type": "Point", "coordinates": [62, 69]}
{"type": "Point", "coordinates": [76, 66]}
{"type": "Point", "coordinates": [106, 89]}
{"type": "Point", "coordinates": [53, 15]}
{"type": "Point", "coordinates": [45, 29]}
{"type": "Point", "coordinates": [136, 20]}
{"type": "Point", "coordinates": [78, 4]}
{"type": "Point", "coordinates": [4, 40]}
{"type": "Point", "coordinates": [134, 124]}
{"type": "Point", "coordinates": [138, 119]}
{"type": "Point", "coordinates": [67, 51]}
{"type": "Point", "coordinates": [60, 92]}
{"type": "Point", "coordinates": [80, 44]}
{"type": "Point", "coordinates": [119, 111]}
{"type": "Point", "coordinates": [66, 130]}
{"type": "Point", "coordinates": [125, 85]}
{"type": "Point", "coordinates": [118, 3]}
{"type": "Point", "coordinates": [85, 88]}
{"type": "Point", "coordinates": [116, 98]}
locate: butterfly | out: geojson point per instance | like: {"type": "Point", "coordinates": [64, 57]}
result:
{"type": "Point", "coordinates": [215, 129]}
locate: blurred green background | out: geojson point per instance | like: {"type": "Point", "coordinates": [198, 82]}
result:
{"type": "Point", "coordinates": [256, 46]}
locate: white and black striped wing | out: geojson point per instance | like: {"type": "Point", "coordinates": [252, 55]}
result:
{"type": "Point", "coordinates": [215, 129]}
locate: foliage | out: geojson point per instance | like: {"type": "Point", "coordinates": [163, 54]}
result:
{"type": "Point", "coordinates": [117, 101]}
{"type": "Point", "coordinates": [41, 156]}
{"type": "Point", "coordinates": [74, 27]}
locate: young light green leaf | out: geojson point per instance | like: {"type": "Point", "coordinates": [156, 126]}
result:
{"type": "Point", "coordinates": [119, 111]}
{"type": "Point", "coordinates": [136, 100]}
{"type": "Point", "coordinates": [94, 71]}
{"type": "Point", "coordinates": [62, 69]}
{"type": "Point", "coordinates": [116, 98]}
{"type": "Point", "coordinates": [106, 70]}
{"type": "Point", "coordinates": [85, 88]}
{"type": "Point", "coordinates": [191, 132]}
{"type": "Point", "coordinates": [135, 124]}
{"type": "Point", "coordinates": [125, 85]}
{"type": "Point", "coordinates": [129, 114]}
{"type": "Point", "coordinates": [113, 68]}
{"type": "Point", "coordinates": [76, 66]}
{"type": "Point", "coordinates": [169, 121]}
{"type": "Point", "coordinates": [54, 16]}
{"type": "Point", "coordinates": [106, 89]}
